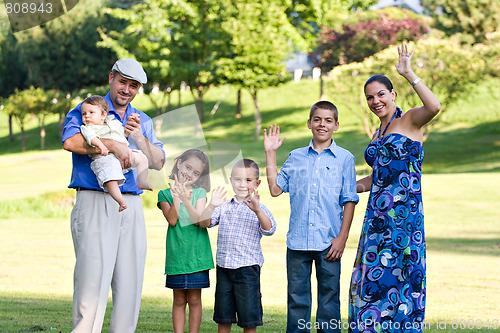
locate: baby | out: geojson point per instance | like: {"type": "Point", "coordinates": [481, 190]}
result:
{"type": "Point", "coordinates": [107, 168]}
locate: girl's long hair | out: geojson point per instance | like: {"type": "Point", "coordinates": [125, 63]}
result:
{"type": "Point", "coordinates": [204, 179]}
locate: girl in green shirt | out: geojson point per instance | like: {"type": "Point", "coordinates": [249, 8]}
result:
{"type": "Point", "coordinates": [188, 251]}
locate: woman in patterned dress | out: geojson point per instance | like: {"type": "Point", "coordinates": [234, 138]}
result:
{"type": "Point", "coordinates": [387, 292]}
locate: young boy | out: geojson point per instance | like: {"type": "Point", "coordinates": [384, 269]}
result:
{"type": "Point", "coordinates": [321, 180]}
{"type": "Point", "coordinates": [242, 222]}
{"type": "Point", "coordinates": [106, 166]}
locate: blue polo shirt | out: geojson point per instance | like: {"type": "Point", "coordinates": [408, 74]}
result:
{"type": "Point", "coordinates": [82, 175]}
{"type": "Point", "coordinates": [319, 186]}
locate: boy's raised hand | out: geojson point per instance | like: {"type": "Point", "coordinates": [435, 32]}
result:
{"type": "Point", "coordinates": [218, 196]}
{"type": "Point", "coordinates": [253, 203]}
{"type": "Point", "coordinates": [273, 141]}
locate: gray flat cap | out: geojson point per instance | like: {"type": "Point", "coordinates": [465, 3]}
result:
{"type": "Point", "coordinates": [131, 69]}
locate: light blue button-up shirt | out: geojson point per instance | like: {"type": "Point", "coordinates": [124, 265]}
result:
{"type": "Point", "coordinates": [319, 186]}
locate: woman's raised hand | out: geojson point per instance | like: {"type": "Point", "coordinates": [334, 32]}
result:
{"type": "Point", "coordinates": [404, 65]}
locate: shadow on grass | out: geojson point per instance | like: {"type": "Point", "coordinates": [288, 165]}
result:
{"type": "Point", "coordinates": [474, 149]}
{"type": "Point", "coordinates": [37, 314]}
{"type": "Point", "coordinates": [467, 246]}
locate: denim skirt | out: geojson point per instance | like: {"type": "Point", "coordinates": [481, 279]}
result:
{"type": "Point", "coordinates": [195, 280]}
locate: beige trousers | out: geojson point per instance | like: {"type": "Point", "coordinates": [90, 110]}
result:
{"type": "Point", "coordinates": [110, 250]}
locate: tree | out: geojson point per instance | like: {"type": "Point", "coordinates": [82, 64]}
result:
{"type": "Point", "coordinates": [260, 45]}
{"type": "Point", "coordinates": [62, 54]}
{"type": "Point", "coordinates": [309, 16]}
{"type": "Point", "coordinates": [20, 105]}
{"type": "Point", "coordinates": [176, 40]}
{"type": "Point", "coordinates": [449, 70]}
{"type": "Point", "coordinates": [473, 19]}
{"type": "Point", "coordinates": [146, 38]}
{"type": "Point", "coordinates": [370, 33]}
{"type": "Point", "coordinates": [198, 42]}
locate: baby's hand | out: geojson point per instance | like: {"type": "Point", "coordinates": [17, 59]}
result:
{"type": "Point", "coordinates": [104, 150]}
{"type": "Point", "coordinates": [218, 196]}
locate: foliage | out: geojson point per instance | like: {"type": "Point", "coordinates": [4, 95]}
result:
{"type": "Point", "coordinates": [144, 37]}
{"type": "Point", "coordinates": [359, 40]}
{"type": "Point", "coordinates": [308, 16]}
{"type": "Point", "coordinates": [260, 45]}
{"type": "Point", "coordinates": [21, 104]}
{"type": "Point", "coordinates": [62, 54]}
{"type": "Point", "coordinates": [471, 19]}
{"type": "Point", "coordinates": [38, 103]}
{"type": "Point", "coordinates": [177, 41]}
{"type": "Point", "coordinates": [12, 69]}
{"type": "Point", "coordinates": [449, 70]}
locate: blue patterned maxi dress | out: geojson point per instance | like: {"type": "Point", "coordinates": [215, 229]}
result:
{"type": "Point", "coordinates": [387, 292]}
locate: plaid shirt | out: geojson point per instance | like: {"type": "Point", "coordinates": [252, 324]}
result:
{"type": "Point", "coordinates": [238, 239]}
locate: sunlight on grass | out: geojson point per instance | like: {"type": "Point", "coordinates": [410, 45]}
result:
{"type": "Point", "coordinates": [462, 253]}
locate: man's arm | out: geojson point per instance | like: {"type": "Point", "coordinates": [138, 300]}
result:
{"type": "Point", "coordinates": [154, 153]}
{"type": "Point", "coordinates": [78, 145]}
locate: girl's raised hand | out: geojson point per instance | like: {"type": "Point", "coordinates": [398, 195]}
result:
{"type": "Point", "coordinates": [253, 203]}
{"type": "Point", "coordinates": [218, 196]}
{"type": "Point", "coordinates": [404, 65]}
{"type": "Point", "coordinates": [273, 141]}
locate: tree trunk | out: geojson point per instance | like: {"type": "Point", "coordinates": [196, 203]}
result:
{"type": "Point", "coordinates": [258, 118]}
{"type": "Point", "coordinates": [198, 97]}
{"type": "Point", "coordinates": [321, 88]}
{"type": "Point", "coordinates": [169, 100]}
{"type": "Point", "coordinates": [62, 116]}
{"type": "Point", "coordinates": [23, 138]}
{"type": "Point", "coordinates": [238, 105]}
{"type": "Point", "coordinates": [179, 101]}
{"type": "Point", "coordinates": [42, 135]}
{"type": "Point", "coordinates": [11, 133]}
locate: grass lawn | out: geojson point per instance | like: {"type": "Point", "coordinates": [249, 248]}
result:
{"type": "Point", "coordinates": [460, 192]}
{"type": "Point", "coordinates": [463, 272]}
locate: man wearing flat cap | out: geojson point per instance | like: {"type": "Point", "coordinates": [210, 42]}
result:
{"type": "Point", "coordinates": [110, 246]}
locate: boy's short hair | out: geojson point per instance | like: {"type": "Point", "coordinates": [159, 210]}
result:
{"type": "Point", "coordinates": [97, 101]}
{"type": "Point", "coordinates": [247, 164]}
{"type": "Point", "coordinates": [325, 105]}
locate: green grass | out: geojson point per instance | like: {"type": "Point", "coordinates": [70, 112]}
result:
{"type": "Point", "coordinates": [463, 273]}
{"type": "Point", "coordinates": [460, 193]}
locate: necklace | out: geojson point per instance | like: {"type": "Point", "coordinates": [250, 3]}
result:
{"type": "Point", "coordinates": [396, 114]}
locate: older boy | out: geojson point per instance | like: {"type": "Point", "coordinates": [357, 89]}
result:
{"type": "Point", "coordinates": [242, 222]}
{"type": "Point", "coordinates": [321, 180]}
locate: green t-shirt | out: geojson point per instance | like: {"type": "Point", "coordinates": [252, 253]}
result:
{"type": "Point", "coordinates": [188, 245]}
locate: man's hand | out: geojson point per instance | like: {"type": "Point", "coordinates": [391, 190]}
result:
{"type": "Point", "coordinates": [120, 150]}
{"type": "Point", "coordinates": [133, 126]}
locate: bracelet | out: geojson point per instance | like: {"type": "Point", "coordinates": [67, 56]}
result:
{"type": "Point", "coordinates": [414, 83]}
